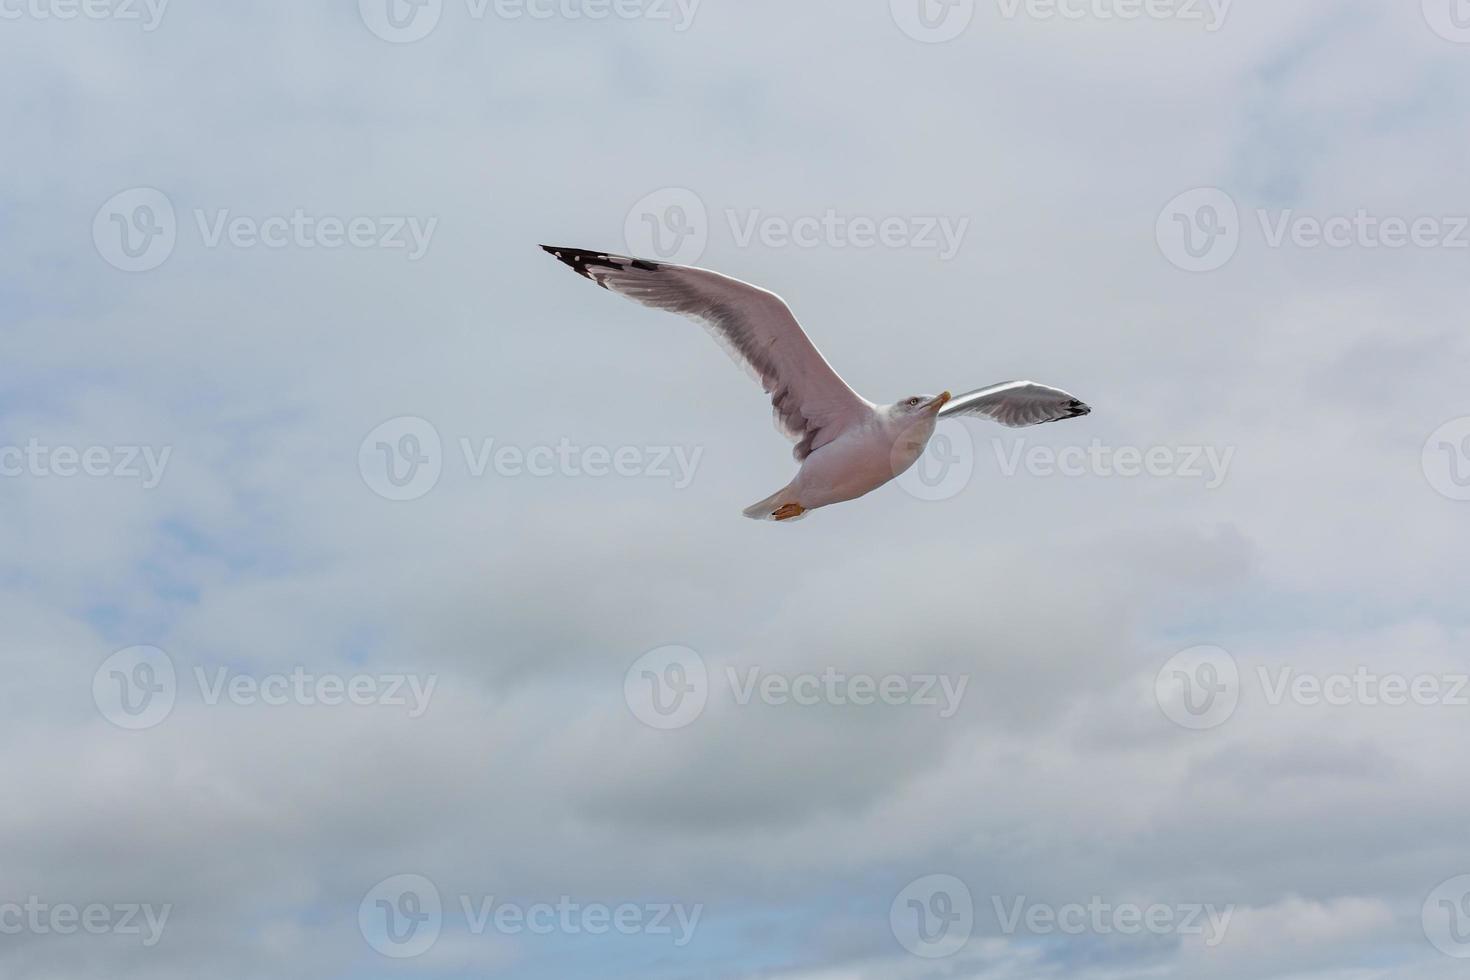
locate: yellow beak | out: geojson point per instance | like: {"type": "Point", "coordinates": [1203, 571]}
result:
{"type": "Point", "coordinates": [941, 401]}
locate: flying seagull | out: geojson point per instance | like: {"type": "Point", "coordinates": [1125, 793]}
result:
{"type": "Point", "coordinates": [846, 445]}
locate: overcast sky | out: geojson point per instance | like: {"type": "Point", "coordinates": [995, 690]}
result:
{"type": "Point", "coordinates": [377, 600]}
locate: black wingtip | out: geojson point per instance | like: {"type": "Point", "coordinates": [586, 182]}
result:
{"type": "Point", "coordinates": [577, 259]}
{"type": "Point", "coordinates": [583, 262]}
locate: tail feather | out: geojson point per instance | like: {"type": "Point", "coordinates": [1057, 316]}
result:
{"type": "Point", "coordinates": [766, 509]}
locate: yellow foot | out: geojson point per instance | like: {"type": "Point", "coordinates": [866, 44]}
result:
{"type": "Point", "coordinates": [789, 512]}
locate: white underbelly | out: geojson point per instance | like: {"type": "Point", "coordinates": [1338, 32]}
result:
{"type": "Point", "coordinates": [856, 464]}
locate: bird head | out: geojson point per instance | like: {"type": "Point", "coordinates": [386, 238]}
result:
{"type": "Point", "coordinates": [921, 406]}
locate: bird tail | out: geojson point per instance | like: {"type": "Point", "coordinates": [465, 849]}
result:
{"type": "Point", "coordinates": [766, 509]}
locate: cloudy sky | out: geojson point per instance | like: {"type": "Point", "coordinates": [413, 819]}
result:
{"type": "Point", "coordinates": [377, 601]}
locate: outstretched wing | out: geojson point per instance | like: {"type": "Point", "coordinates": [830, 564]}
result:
{"type": "Point", "coordinates": [1017, 404]}
{"type": "Point", "coordinates": [812, 404]}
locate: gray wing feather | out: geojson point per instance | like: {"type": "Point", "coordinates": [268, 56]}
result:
{"type": "Point", "coordinates": [1017, 404]}
{"type": "Point", "coordinates": [812, 404]}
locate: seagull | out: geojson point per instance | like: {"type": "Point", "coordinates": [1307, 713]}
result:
{"type": "Point", "coordinates": [847, 446]}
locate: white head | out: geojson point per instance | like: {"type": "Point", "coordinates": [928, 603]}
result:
{"type": "Point", "coordinates": [918, 408]}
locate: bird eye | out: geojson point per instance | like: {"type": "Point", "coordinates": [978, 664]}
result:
{"type": "Point", "coordinates": [913, 401]}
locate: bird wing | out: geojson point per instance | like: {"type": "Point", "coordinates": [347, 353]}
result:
{"type": "Point", "coordinates": [1017, 404]}
{"type": "Point", "coordinates": [813, 405]}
